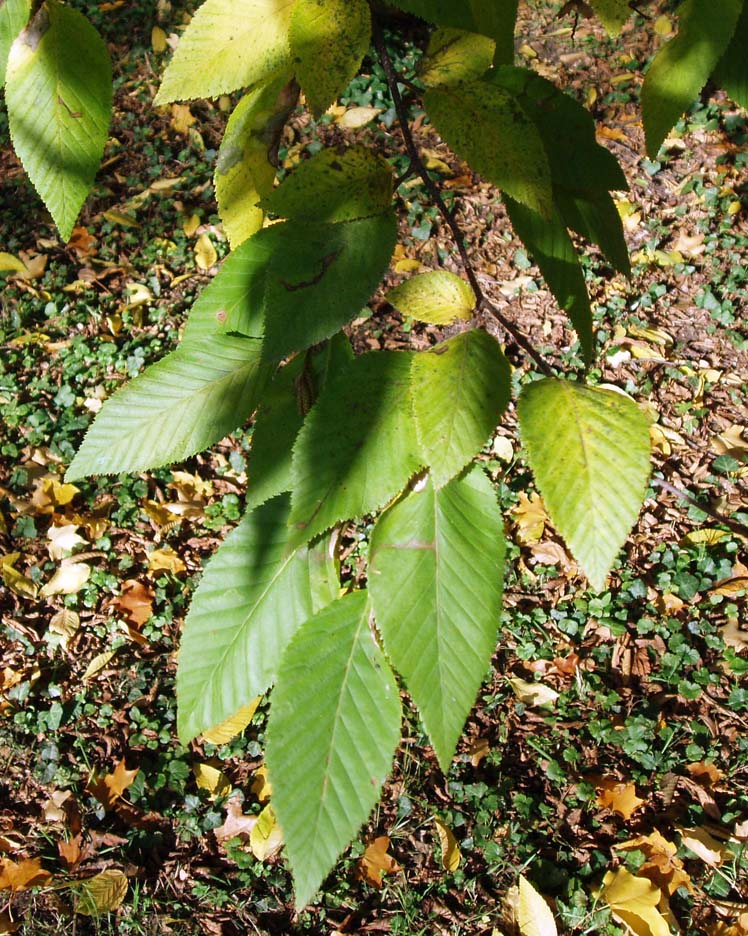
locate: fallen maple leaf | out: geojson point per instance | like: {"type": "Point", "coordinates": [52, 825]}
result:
{"type": "Point", "coordinates": [662, 865]}
{"type": "Point", "coordinates": [618, 796]}
{"type": "Point", "coordinates": [18, 876]}
{"type": "Point", "coordinates": [704, 774]}
{"type": "Point", "coordinates": [376, 861]}
{"type": "Point", "coordinates": [108, 788]}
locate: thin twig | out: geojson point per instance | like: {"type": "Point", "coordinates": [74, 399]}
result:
{"type": "Point", "coordinates": [735, 525]}
{"type": "Point", "coordinates": [482, 301]}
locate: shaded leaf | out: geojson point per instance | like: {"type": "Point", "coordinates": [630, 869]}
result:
{"type": "Point", "coordinates": [245, 168]}
{"type": "Point", "coordinates": [459, 390]}
{"type": "Point", "coordinates": [682, 66]}
{"type": "Point", "coordinates": [588, 448]}
{"type": "Point", "coordinates": [337, 476]}
{"type": "Point", "coordinates": [61, 64]}
{"type": "Point", "coordinates": [334, 726]}
{"type": "Point", "coordinates": [233, 725]}
{"type": "Point", "coordinates": [254, 594]}
{"type": "Point", "coordinates": [454, 56]}
{"type": "Point", "coordinates": [612, 13]}
{"type": "Point", "coordinates": [553, 251]}
{"type": "Point", "coordinates": [438, 297]}
{"type": "Point", "coordinates": [229, 46]}
{"type": "Point", "coordinates": [185, 402]}
{"type": "Point", "coordinates": [487, 126]}
{"type": "Point", "coordinates": [731, 72]}
{"type": "Point", "coordinates": [435, 576]}
{"type": "Point", "coordinates": [334, 185]}
{"type": "Point", "coordinates": [328, 40]}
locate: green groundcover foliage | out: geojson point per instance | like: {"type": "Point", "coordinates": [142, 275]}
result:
{"type": "Point", "coordinates": [266, 337]}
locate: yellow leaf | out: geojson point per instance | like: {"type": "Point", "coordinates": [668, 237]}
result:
{"type": "Point", "coordinates": [182, 118]}
{"type": "Point", "coordinates": [261, 786]}
{"type": "Point", "coordinates": [662, 865]}
{"type": "Point", "coordinates": [63, 539]}
{"type": "Point", "coordinates": [407, 265]}
{"type": "Point", "coordinates": [663, 25]}
{"type": "Point", "coordinates": [619, 796]}
{"type": "Point", "coordinates": [707, 535]}
{"type": "Point", "coordinates": [376, 861]}
{"type": "Point", "coordinates": [138, 294]}
{"type": "Point", "coordinates": [205, 253]}
{"type": "Point", "coordinates": [534, 916]}
{"type": "Point", "coordinates": [434, 163]}
{"type": "Point", "coordinates": [633, 902]}
{"type": "Point", "coordinates": [16, 581]}
{"type": "Point", "coordinates": [703, 845]}
{"type": "Point", "coordinates": [529, 518]}
{"type": "Point", "coordinates": [212, 779]}
{"type": "Point", "coordinates": [532, 693]}
{"type": "Point", "coordinates": [68, 579]}
{"type": "Point", "coordinates": [9, 263]}
{"type": "Point", "coordinates": [121, 218]}
{"type": "Point", "coordinates": [190, 225]}
{"type": "Point", "coordinates": [165, 560]}
{"type": "Point", "coordinates": [158, 40]}
{"type": "Point", "coordinates": [102, 893]}
{"type": "Point", "coordinates": [266, 837]}
{"type": "Point", "coordinates": [356, 117]}
{"type": "Point", "coordinates": [223, 733]}
{"type": "Point", "coordinates": [97, 664]}
{"type": "Point", "coordinates": [450, 850]}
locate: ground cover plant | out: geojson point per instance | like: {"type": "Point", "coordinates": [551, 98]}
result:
{"type": "Point", "coordinates": [258, 310]}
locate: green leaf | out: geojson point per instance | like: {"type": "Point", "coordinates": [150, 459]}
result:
{"type": "Point", "coordinates": [228, 46]}
{"type": "Point", "coordinates": [486, 126]}
{"type": "Point", "coordinates": [552, 249]}
{"type": "Point", "coordinates": [14, 14]}
{"type": "Point", "coordinates": [296, 283]}
{"type": "Point", "coordinates": [589, 450]}
{"type": "Point", "coordinates": [334, 185]}
{"type": "Point", "coordinates": [254, 595]}
{"type": "Point", "coordinates": [459, 389]}
{"type": "Point", "coordinates": [182, 404]}
{"type": "Point", "coordinates": [612, 14]}
{"type": "Point", "coordinates": [596, 218]}
{"type": "Point", "coordinates": [59, 96]}
{"type": "Point", "coordinates": [247, 158]}
{"type": "Point", "coordinates": [454, 56]}
{"type": "Point", "coordinates": [436, 571]}
{"type": "Point", "coordinates": [681, 68]}
{"type": "Point", "coordinates": [488, 17]}
{"type": "Point", "coordinates": [732, 71]}
{"type": "Point", "coordinates": [438, 297]}
{"type": "Point", "coordinates": [357, 448]}
{"type": "Point", "coordinates": [281, 416]}
{"type": "Point", "coordinates": [328, 39]}
{"type": "Point", "coordinates": [334, 726]}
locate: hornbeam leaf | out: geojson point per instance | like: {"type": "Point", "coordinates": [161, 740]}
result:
{"type": "Point", "coordinates": [59, 95]}
{"type": "Point", "coordinates": [14, 14]}
{"type": "Point", "coordinates": [334, 186]}
{"type": "Point", "coordinates": [328, 40]}
{"type": "Point", "coordinates": [439, 297]}
{"type": "Point", "coordinates": [245, 168]}
{"type": "Point", "coordinates": [459, 390]}
{"type": "Point", "coordinates": [254, 595]}
{"type": "Point", "coordinates": [454, 56]}
{"type": "Point", "coordinates": [682, 66]}
{"type": "Point", "coordinates": [553, 251]}
{"type": "Point", "coordinates": [296, 282]}
{"type": "Point", "coordinates": [229, 46]}
{"type": "Point", "coordinates": [732, 71]}
{"type": "Point", "coordinates": [435, 576]}
{"type": "Point", "coordinates": [334, 726]}
{"type": "Point", "coordinates": [612, 14]}
{"type": "Point", "coordinates": [487, 126]}
{"type": "Point", "coordinates": [357, 448]}
{"type": "Point", "coordinates": [589, 450]}
{"type": "Point", "coordinates": [182, 404]}
{"type": "Point", "coordinates": [281, 416]}
{"type": "Point", "coordinates": [487, 17]}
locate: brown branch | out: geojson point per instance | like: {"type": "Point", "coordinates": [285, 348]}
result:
{"type": "Point", "coordinates": [482, 301]}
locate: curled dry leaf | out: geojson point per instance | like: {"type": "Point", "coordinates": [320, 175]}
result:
{"type": "Point", "coordinates": [703, 845]}
{"type": "Point", "coordinates": [236, 824]}
{"type": "Point", "coordinates": [534, 694]}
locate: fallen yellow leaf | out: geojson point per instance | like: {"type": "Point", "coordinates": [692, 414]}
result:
{"type": "Point", "coordinates": [450, 850]}
{"type": "Point", "coordinates": [102, 893]}
{"type": "Point", "coordinates": [223, 733]}
{"type": "Point", "coordinates": [633, 901]}
{"type": "Point", "coordinates": [212, 779]}
{"type": "Point", "coordinates": [205, 253]}
{"type": "Point", "coordinates": [67, 580]}
{"type": "Point", "coordinates": [266, 837]}
{"type": "Point", "coordinates": [534, 915]}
